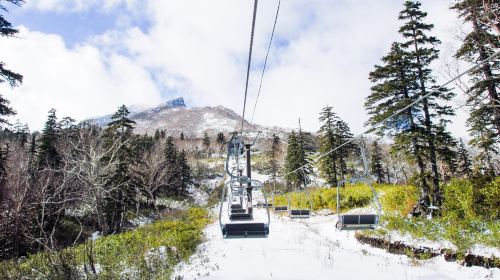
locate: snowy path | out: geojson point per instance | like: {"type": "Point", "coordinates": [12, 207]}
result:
{"type": "Point", "coordinates": [312, 249]}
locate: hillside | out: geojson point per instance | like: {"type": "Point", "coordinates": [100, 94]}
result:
{"type": "Point", "coordinates": [174, 116]}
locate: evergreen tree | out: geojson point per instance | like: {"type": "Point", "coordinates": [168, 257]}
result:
{"type": "Point", "coordinates": [186, 177]}
{"type": "Point", "coordinates": [206, 141]}
{"type": "Point", "coordinates": [273, 163]}
{"type": "Point", "coordinates": [376, 162]}
{"type": "Point", "coordinates": [157, 135]}
{"type": "Point", "coordinates": [6, 75]}
{"type": "Point", "coordinates": [343, 135]}
{"type": "Point", "coordinates": [394, 89]}
{"type": "Point", "coordinates": [328, 141]}
{"type": "Point", "coordinates": [48, 156]}
{"type": "Point", "coordinates": [484, 119]}
{"type": "Point", "coordinates": [122, 192]}
{"type": "Point", "coordinates": [221, 140]}
{"type": "Point", "coordinates": [298, 158]}
{"type": "Point", "coordinates": [21, 133]}
{"type": "Point", "coordinates": [464, 163]}
{"type": "Point", "coordinates": [173, 170]}
{"type": "Point", "coordinates": [182, 135]}
{"type": "Point", "coordinates": [422, 52]}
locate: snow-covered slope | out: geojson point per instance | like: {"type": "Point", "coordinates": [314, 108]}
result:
{"type": "Point", "coordinates": [312, 249]}
{"type": "Point", "coordinates": [175, 117]}
{"type": "Point", "coordinates": [309, 249]}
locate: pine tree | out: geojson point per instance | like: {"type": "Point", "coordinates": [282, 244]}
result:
{"type": "Point", "coordinates": [464, 163]}
{"type": "Point", "coordinates": [186, 178]}
{"type": "Point", "coordinates": [6, 75]}
{"type": "Point", "coordinates": [48, 155]}
{"type": "Point", "coordinates": [328, 141]}
{"type": "Point", "coordinates": [343, 135]}
{"type": "Point", "coordinates": [21, 133]}
{"type": "Point", "coordinates": [484, 119]}
{"type": "Point", "coordinates": [122, 192]}
{"type": "Point", "coordinates": [182, 135]}
{"type": "Point", "coordinates": [221, 140]}
{"type": "Point", "coordinates": [173, 170]}
{"type": "Point", "coordinates": [206, 141]}
{"type": "Point", "coordinates": [422, 52]}
{"type": "Point", "coordinates": [394, 89]}
{"type": "Point", "coordinates": [157, 135]}
{"type": "Point", "coordinates": [273, 164]}
{"type": "Point", "coordinates": [376, 162]}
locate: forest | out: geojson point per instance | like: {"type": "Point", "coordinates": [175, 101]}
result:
{"type": "Point", "coordinates": [64, 184]}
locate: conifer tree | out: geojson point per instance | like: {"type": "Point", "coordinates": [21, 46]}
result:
{"type": "Point", "coordinates": [394, 89]}
{"type": "Point", "coordinates": [273, 163]}
{"type": "Point", "coordinates": [421, 52]}
{"type": "Point", "coordinates": [186, 178]}
{"type": "Point", "coordinates": [221, 140]}
{"type": "Point", "coordinates": [343, 135]}
{"type": "Point", "coordinates": [173, 170]}
{"type": "Point", "coordinates": [376, 162]}
{"type": "Point", "coordinates": [122, 192]}
{"type": "Point", "coordinates": [6, 75]}
{"type": "Point", "coordinates": [483, 97]}
{"type": "Point", "coordinates": [328, 141]}
{"type": "Point", "coordinates": [292, 160]}
{"type": "Point", "coordinates": [157, 135]}
{"type": "Point", "coordinates": [182, 135]}
{"type": "Point", "coordinates": [464, 163]}
{"type": "Point", "coordinates": [48, 156]}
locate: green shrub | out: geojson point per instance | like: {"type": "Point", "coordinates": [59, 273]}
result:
{"type": "Point", "coordinates": [134, 254]}
{"type": "Point", "coordinates": [458, 200]}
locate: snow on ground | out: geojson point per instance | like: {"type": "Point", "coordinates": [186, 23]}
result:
{"type": "Point", "coordinates": [311, 249]}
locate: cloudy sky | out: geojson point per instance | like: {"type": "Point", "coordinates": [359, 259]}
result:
{"type": "Point", "coordinates": [86, 57]}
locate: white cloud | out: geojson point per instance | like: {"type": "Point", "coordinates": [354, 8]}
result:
{"type": "Point", "coordinates": [79, 82]}
{"type": "Point", "coordinates": [198, 49]}
{"type": "Point", "coordinates": [62, 6]}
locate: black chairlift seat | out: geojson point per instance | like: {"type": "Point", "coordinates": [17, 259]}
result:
{"type": "Point", "coordinates": [300, 213]}
{"type": "Point", "coordinates": [280, 208]}
{"type": "Point", "coordinates": [238, 211]}
{"type": "Point", "coordinates": [236, 206]}
{"type": "Point", "coordinates": [245, 230]}
{"type": "Point", "coordinates": [240, 217]}
{"type": "Point", "coordinates": [354, 222]}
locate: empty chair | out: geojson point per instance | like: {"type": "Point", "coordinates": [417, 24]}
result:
{"type": "Point", "coordinates": [240, 216]}
{"type": "Point", "coordinates": [300, 213]}
{"type": "Point", "coordinates": [365, 220]}
{"type": "Point", "coordinates": [280, 208]}
{"type": "Point", "coordinates": [245, 230]}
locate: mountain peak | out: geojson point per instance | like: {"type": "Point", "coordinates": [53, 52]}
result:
{"type": "Point", "coordinates": [176, 103]}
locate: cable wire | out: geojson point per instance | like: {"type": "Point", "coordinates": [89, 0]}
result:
{"type": "Point", "coordinates": [249, 63]}
{"type": "Point", "coordinates": [497, 53]}
{"type": "Point", "coordinates": [265, 61]}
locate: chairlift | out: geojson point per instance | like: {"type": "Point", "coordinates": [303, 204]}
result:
{"type": "Point", "coordinates": [300, 212]}
{"type": "Point", "coordinates": [278, 208]}
{"type": "Point", "coordinates": [359, 221]}
{"type": "Point", "coordinates": [239, 190]}
{"type": "Point", "coordinates": [242, 224]}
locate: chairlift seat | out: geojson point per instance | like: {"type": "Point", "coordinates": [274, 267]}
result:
{"type": "Point", "coordinates": [363, 221]}
{"type": "Point", "coordinates": [280, 208]}
{"type": "Point", "coordinates": [245, 230]}
{"type": "Point", "coordinates": [240, 216]}
{"type": "Point", "coordinates": [236, 206]}
{"type": "Point", "coordinates": [238, 211]}
{"type": "Point", "coordinates": [300, 213]}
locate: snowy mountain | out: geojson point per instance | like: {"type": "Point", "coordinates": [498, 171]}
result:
{"type": "Point", "coordinates": [175, 117]}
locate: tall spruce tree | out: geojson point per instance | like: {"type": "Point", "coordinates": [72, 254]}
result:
{"type": "Point", "coordinates": [343, 135]}
{"type": "Point", "coordinates": [48, 155]}
{"type": "Point", "coordinates": [273, 163]}
{"type": "Point", "coordinates": [376, 162]}
{"type": "Point", "coordinates": [6, 75]}
{"type": "Point", "coordinates": [186, 178]}
{"type": "Point", "coordinates": [122, 192]}
{"type": "Point", "coordinates": [394, 89]}
{"type": "Point", "coordinates": [221, 140]}
{"type": "Point", "coordinates": [464, 163]}
{"type": "Point", "coordinates": [328, 141]}
{"type": "Point", "coordinates": [483, 98]}
{"type": "Point", "coordinates": [421, 50]}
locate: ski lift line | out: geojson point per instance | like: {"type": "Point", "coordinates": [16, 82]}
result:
{"type": "Point", "coordinates": [249, 62]}
{"type": "Point", "coordinates": [265, 61]}
{"type": "Point", "coordinates": [490, 58]}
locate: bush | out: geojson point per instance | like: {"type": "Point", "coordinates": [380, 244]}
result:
{"type": "Point", "coordinates": [149, 252]}
{"type": "Point", "coordinates": [458, 202]}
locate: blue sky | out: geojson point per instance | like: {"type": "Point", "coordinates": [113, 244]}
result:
{"type": "Point", "coordinates": [86, 57]}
